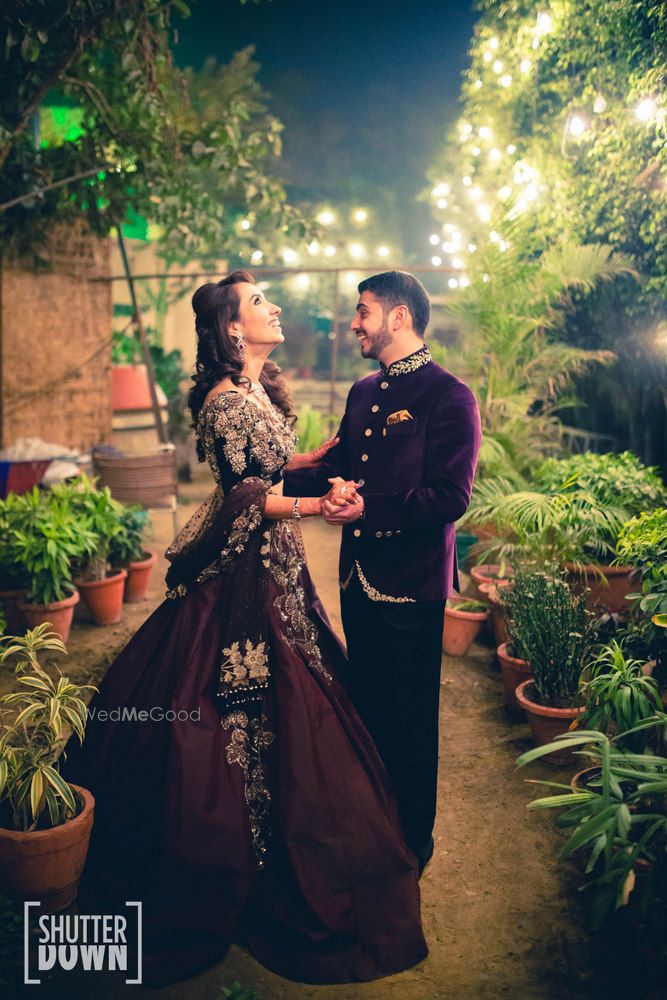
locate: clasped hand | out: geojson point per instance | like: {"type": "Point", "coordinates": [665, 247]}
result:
{"type": "Point", "coordinates": [342, 504]}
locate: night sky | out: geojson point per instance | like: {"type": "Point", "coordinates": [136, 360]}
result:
{"type": "Point", "coordinates": [365, 91]}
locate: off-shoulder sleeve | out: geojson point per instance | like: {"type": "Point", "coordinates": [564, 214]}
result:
{"type": "Point", "coordinates": [227, 431]}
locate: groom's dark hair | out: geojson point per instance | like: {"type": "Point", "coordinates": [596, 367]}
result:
{"type": "Point", "coordinates": [398, 288]}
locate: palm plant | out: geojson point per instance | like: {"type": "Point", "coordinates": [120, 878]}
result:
{"type": "Point", "coordinates": [618, 694]}
{"type": "Point", "coordinates": [32, 742]}
{"type": "Point", "coordinates": [642, 543]}
{"type": "Point", "coordinates": [509, 315]}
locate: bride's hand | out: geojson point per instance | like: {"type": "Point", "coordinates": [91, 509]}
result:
{"type": "Point", "coordinates": [311, 459]}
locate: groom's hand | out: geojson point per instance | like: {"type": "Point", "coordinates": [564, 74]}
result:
{"type": "Point", "coordinates": [342, 504]}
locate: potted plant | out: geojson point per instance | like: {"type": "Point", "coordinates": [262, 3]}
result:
{"type": "Point", "coordinates": [127, 551]}
{"type": "Point", "coordinates": [48, 544]}
{"type": "Point", "coordinates": [101, 589]}
{"type": "Point", "coordinates": [618, 696]}
{"type": "Point", "coordinates": [620, 482]}
{"type": "Point", "coordinates": [492, 594]}
{"type": "Point", "coordinates": [514, 671]}
{"type": "Point", "coordinates": [13, 577]}
{"type": "Point", "coordinates": [463, 620]}
{"type": "Point", "coordinates": [45, 822]}
{"type": "Point", "coordinates": [642, 543]}
{"type": "Point", "coordinates": [552, 631]}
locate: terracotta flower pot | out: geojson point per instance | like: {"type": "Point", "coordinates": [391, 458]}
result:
{"type": "Point", "coordinates": [514, 671]}
{"type": "Point", "coordinates": [609, 595]}
{"type": "Point", "coordinates": [489, 573]}
{"type": "Point", "coordinates": [489, 592]}
{"type": "Point", "coordinates": [580, 780]}
{"type": "Point", "coordinates": [138, 578]}
{"type": "Point", "coordinates": [59, 614]}
{"type": "Point", "coordinates": [104, 598]}
{"type": "Point", "coordinates": [46, 865]}
{"type": "Point", "coordinates": [546, 723]}
{"type": "Point", "coordinates": [460, 631]}
{"type": "Point", "coordinates": [11, 600]}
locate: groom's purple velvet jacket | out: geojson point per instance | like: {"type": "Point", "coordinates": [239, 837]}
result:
{"type": "Point", "coordinates": [416, 475]}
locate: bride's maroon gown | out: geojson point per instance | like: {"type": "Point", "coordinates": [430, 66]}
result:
{"type": "Point", "coordinates": [277, 828]}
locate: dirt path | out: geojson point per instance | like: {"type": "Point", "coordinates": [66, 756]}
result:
{"type": "Point", "coordinates": [501, 914]}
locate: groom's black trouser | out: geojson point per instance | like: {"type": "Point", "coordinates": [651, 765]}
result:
{"type": "Point", "coordinates": [394, 653]}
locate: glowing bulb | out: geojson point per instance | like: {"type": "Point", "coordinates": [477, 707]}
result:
{"type": "Point", "coordinates": [351, 278]}
{"type": "Point", "coordinates": [504, 192]}
{"type": "Point", "coordinates": [511, 149]}
{"type": "Point", "coordinates": [436, 261]}
{"type": "Point", "coordinates": [453, 283]}
{"type": "Point", "coordinates": [313, 248]}
{"type": "Point", "coordinates": [449, 228]}
{"type": "Point", "coordinates": [577, 125]}
{"type": "Point", "coordinates": [503, 246]}
{"type": "Point", "coordinates": [326, 217]}
{"type": "Point", "coordinates": [302, 282]}
{"type": "Point", "coordinates": [440, 190]}
{"type": "Point", "coordinates": [483, 213]}
{"type": "Point", "coordinates": [530, 193]}
{"type": "Point", "coordinates": [478, 84]}
{"type": "Point", "coordinates": [544, 23]}
{"type": "Point", "coordinates": [360, 215]}
{"type": "Point", "coordinates": [356, 250]}
{"type": "Point", "coordinates": [506, 81]}
{"type": "Point", "coordinates": [434, 239]}
{"type": "Point", "coordinates": [256, 256]}
{"type": "Point", "coordinates": [494, 43]}
{"type": "Point", "coordinates": [475, 150]}
{"type": "Point", "coordinates": [441, 203]}
{"type": "Point", "coordinates": [485, 277]}
{"type": "Point", "coordinates": [448, 247]}
{"type": "Point", "coordinates": [536, 42]}
{"type": "Point", "coordinates": [485, 132]}
{"type": "Point", "coordinates": [329, 251]}
{"type": "Point", "coordinates": [466, 127]}
{"type": "Point", "coordinates": [467, 181]}
{"type": "Point", "coordinates": [383, 251]}
{"type": "Point", "coordinates": [475, 193]}
{"type": "Point", "coordinates": [525, 66]}
{"type": "Point", "coordinates": [494, 236]}
{"type": "Point", "coordinates": [245, 224]}
{"type": "Point", "coordinates": [599, 105]}
{"type": "Point", "coordinates": [495, 155]}
{"type": "Point", "coordinates": [290, 256]}
{"type": "Point", "coordinates": [488, 56]}
{"type": "Point", "coordinates": [457, 263]}
{"type": "Point", "coordinates": [497, 66]}
{"type": "Point", "coordinates": [471, 248]}
{"type": "Point", "coordinates": [463, 281]}
{"type": "Point", "coordinates": [646, 109]}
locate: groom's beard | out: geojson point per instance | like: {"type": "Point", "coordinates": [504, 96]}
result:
{"type": "Point", "coordinates": [376, 342]}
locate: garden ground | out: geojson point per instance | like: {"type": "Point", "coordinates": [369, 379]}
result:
{"type": "Point", "coordinates": [501, 914]}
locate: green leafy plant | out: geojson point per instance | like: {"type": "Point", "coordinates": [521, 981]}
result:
{"type": "Point", "coordinates": [616, 480]}
{"type": "Point", "coordinates": [238, 992]}
{"type": "Point", "coordinates": [100, 515]}
{"type": "Point", "coordinates": [642, 543]}
{"type": "Point", "coordinates": [48, 544]}
{"type": "Point", "coordinates": [619, 695]}
{"type": "Point", "coordinates": [539, 527]}
{"type": "Point", "coordinates": [128, 544]}
{"type": "Point", "coordinates": [466, 604]}
{"type": "Point", "coordinates": [549, 627]}
{"type": "Point", "coordinates": [30, 745]}
{"type": "Point", "coordinates": [311, 429]}
{"type": "Point", "coordinates": [619, 818]}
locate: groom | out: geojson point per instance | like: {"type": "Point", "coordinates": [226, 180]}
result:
{"type": "Point", "coordinates": [406, 456]}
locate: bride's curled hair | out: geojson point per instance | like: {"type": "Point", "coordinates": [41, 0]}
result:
{"type": "Point", "coordinates": [216, 305]}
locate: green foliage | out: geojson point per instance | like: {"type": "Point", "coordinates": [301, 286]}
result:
{"type": "Point", "coordinates": [618, 693]}
{"type": "Point", "coordinates": [510, 315]}
{"type": "Point", "coordinates": [619, 818]}
{"type": "Point", "coordinates": [615, 479]}
{"type": "Point", "coordinates": [30, 745]}
{"type": "Point", "coordinates": [537, 528]}
{"type": "Point", "coordinates": [139, 147]}
{"type": "Point", "coordinates": [549, 627]}
{"type": "Point", "coordinates": [642, 543]}
{"type": "Point", "coordinates": [128, 544]}
{"type": "Point", "coordinates": [99, 514]}
{"type": "Point", "coordinates": [47, 542]}
{"type": "Point", "coordinates": [238, 992]}
{"type": "Point", "coordinates": [311, 429]}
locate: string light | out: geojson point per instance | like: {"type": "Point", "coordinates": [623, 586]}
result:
{"type": "Point", "coordinates": [506, 81]}
{"type": "Point", "coordinates": [478, 84]}
{"type": "Point", "coordinates": [326, 217]}
{"type": "Point", "coordinates": [497, 66]}
{"type": "Point", "coordinates": [245, 224]}
{"type": "Point", "coordinates": [577, 125]}
{"type": "Point", "coordinates": [544, 23]}
{"type": "Point", "coordinates": [467, 181]}
{"type": "Point", "coordinates": [488, 56]}
{"type": "Point", "coordinates": [360, 215]}
{"type": "Point", "coordinates": [495, 155]}
{"type": "Point", "coordinates": [464, 281]}
{"type": "Point", "coordinates": [302, 282]}
{"type": "Point", "coordinates": [494, 43]}
{"type": "Point", "coordinates": [434, 239]}
{"type": "Point", "coordinates": [329, 251]}
{"type": "Point", "coordinates": [256, 256]}
{"type": "Point", "coordinates": [290, 256]}
{"type": "Point", "coordinates": [504, 192]}
{"type": "Point", "coordinates": [313, 248]}
{"type": "Point", "coordinates": [599, 105]}
{"type": "Point", "coordinates": [475, 193]}
{"type": "Point", "coordinates": [383, 251]}
{"type": "Point", "coordinates": [453, 283]}
{"type": "Point", "coordinates": [351, 278]}
{"type": "Point", "coordinates": [525, 66]}
{"type": "Point", "coordinates": [511, 149]}
{"type": "Point", "coordinates": [471, 248]}
{"type": "Point", "coordinates": [457, 263]}
{"type": "Point", "coordinates": [646, 109]}
{"type": "Point", "coordinates": [475, 150]}
{"type": "Point", "coordinates": [441, 190]}
{"type": "Point", "coordinates": [485, 132]}
{"type": "Point", "coordinates": [484, 213]}
{"type": "Point", "coordinates": [436, 261]}
{"type": "Point", "coordinates": [442, 203]}
{"type": "Point", "coordinates": [356, 250]}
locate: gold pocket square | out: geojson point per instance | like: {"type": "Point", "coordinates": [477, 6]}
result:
{"type": "Point", "coordinates": [399, 417]}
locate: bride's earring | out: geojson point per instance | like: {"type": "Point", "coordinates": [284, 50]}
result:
{"type": "Point", "coordinates": [239, 343]}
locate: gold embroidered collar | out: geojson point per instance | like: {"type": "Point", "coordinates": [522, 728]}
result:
{"type": "Point", "coordinates": [410, 364]}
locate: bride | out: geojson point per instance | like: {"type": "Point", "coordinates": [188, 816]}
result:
{"type": "Point", "coordinates": [249, 804]}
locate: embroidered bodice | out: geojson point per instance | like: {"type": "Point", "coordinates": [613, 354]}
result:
{"type": "Point", "coordinates": [241, 440]}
